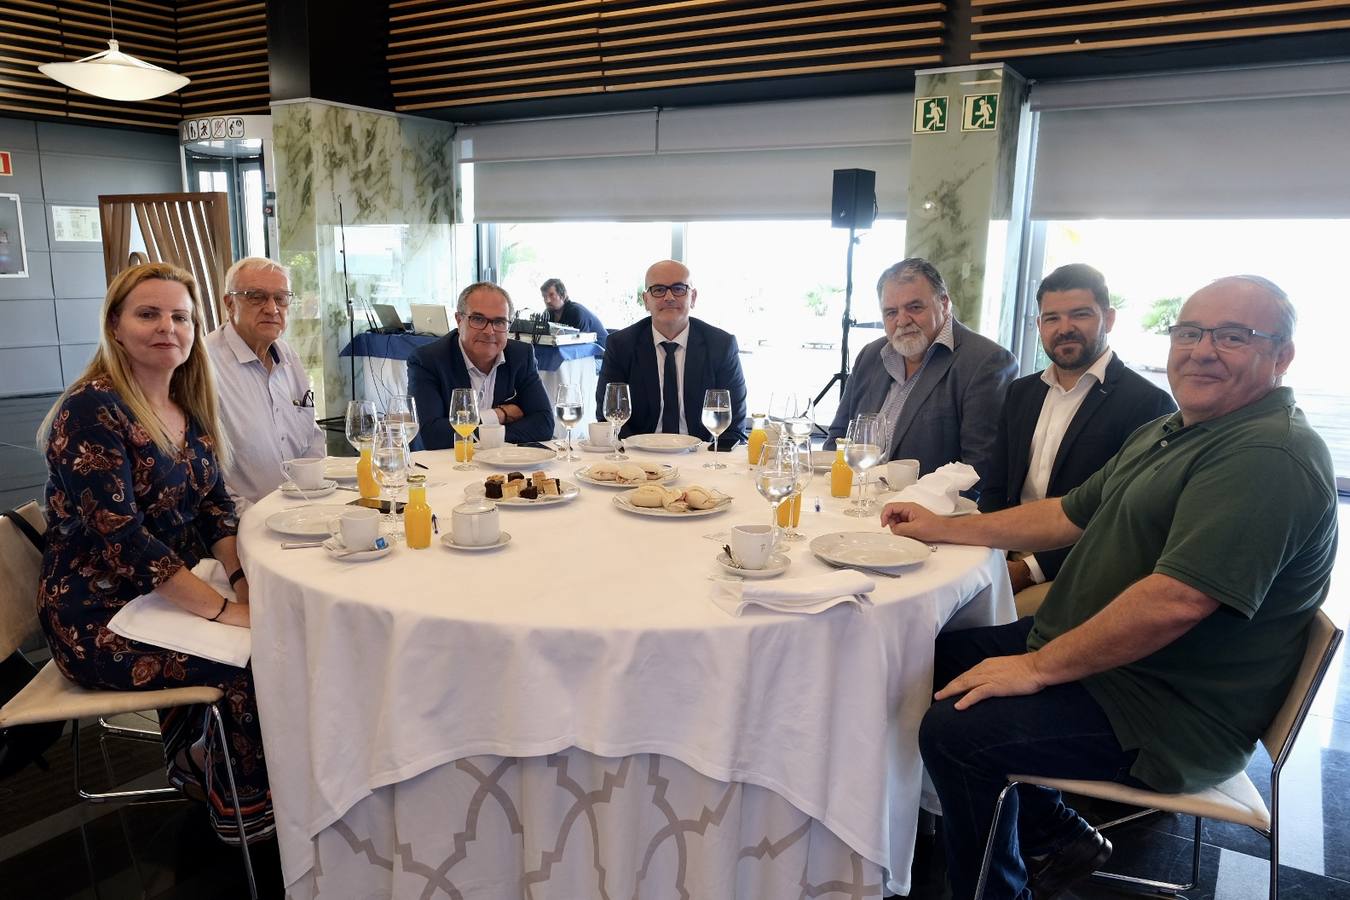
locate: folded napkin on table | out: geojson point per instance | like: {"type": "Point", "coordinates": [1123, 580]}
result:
{"type": "Point", "coordinates": [811, 594]}
{"type": "Point", "coordinates": [940, 489]}
{"type": "Point", "coordinates": [155, 619]}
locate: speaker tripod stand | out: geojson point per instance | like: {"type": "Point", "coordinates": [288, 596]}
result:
{"type": "Point", "coordinates": [847, 322]}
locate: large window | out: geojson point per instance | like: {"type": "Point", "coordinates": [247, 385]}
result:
{"type": "Point", "coordinates": [1152, 266]}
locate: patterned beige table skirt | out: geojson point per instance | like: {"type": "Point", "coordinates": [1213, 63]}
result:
{"type": "Point", "coordinates": [574, 826]}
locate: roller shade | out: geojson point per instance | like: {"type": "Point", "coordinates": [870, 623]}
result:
{"type": "Point", "coordinates": [731, 162]}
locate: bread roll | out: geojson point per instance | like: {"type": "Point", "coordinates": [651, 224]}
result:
{"type": "Point", "coordinates": [650, 496]}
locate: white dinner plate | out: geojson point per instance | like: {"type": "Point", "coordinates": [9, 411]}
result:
{"type": "Point", "coordinates": [514, 457]}
{"type": "Point", "coordinates": [305, 521]}
{"type": "Point", "coordinates": [869, 548]}
{"type": "Point", "coordinates": [777, 565]}
{"type": "Point", "coordinates": [569, 492]}
{"type": "Point", "coordinates": [340, 468]}
{"type": "Point", "coordinates": [964, 505]}
{"type": "Point", "coordinates": [622, 502]}
{"type": "Point", "coordinates": [586, 446]}
{"type": "Point", "coordinates": [663, 443]}
{"type": "Point", "coordinates": [503, 538]}
{"type": "Point", "coordinates": [336, 550]}
{"type": "Point", "coordinates": [668, 474]}
{"type": "Point", "coordinates": [290, 490]}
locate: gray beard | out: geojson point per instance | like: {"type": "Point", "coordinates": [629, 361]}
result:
{"type": "Point", "coordinates": [911, 345]}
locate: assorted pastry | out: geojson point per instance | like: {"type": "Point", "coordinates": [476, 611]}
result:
{"type": "Point", "coordinates": [514, 485]}
{"type": "Point", "coordinates": [626, 472]}
{"type": "Point", "coordinates": [654, 496]}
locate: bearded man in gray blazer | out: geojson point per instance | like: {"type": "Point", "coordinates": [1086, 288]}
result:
{"type": "Point", "coordinates": [939, 385]}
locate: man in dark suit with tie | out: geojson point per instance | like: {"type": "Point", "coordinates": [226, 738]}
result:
{"type": "Point", "coordinates": [669, 360]}
{"type": "Point", "coordinates": [1063, 423]}
{"type": "Point", "coordinates": [477, 355]}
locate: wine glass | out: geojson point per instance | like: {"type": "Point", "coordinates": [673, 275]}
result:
{"type": "Point", "coordinates": [801, 422]}
{"type": "Point", "coordinates": [361, 421]}
{"type": "Point", "coordinates": [617, 409]}
{"type": "Point", "coordinates": [463, 419]}
{"type": "Point", "coordinates": [776, 478]}
{"type": "Point", "coordinates": [862, 453]}
{"type": "Point", "coordinates": [402, 410]}
{"type": "Point", "coordinates": [390, 459]}
{"type": "Point", "coordinates": [716, 418]}
{"type": "Point", "coordinates": [804, 475]}
{"type": "Point", "coordinates": [567, 405]}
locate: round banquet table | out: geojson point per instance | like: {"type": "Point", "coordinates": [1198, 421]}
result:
{"type": "Point", "coordinates": [416, 708]}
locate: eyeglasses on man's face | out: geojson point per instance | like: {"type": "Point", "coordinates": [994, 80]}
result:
{"type": "Point", "coordinates": [257, 298]}
{"type": "Point", "coordinates": [659, 291]}
{"type": "Point", "coordinates": [1225, 337]}
{"type": "Point", "coordinates": [480, 322]}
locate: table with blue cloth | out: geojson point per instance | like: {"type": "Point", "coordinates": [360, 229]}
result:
{"type": "Point", "coordinates": [386, 373]}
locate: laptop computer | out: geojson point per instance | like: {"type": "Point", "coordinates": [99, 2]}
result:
{"type": "Point", "coordinates": [390, 321]}
{"type": "Point", "coordinates": [430, 318]}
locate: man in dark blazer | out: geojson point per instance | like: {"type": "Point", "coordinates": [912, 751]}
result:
{"type": "Point", "coordinates": [939, 384]}
{"type": "Point", "coordinates": [566, 311]}
{"type": "Point", "coordinates": [670, 343]}
{"type": "Point", "coordinates": [1063, 423]}
{"type": "Point", "coordinates": [477, 355]}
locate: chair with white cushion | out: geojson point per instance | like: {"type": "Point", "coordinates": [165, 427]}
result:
{"type": "Point", "coordinates": [50, 697]}
{"type": "Point", "coordinates": [1235, 800]}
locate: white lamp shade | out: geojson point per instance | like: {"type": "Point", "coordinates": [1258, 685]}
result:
{"type": "Point", "coordinates": [114, 75]}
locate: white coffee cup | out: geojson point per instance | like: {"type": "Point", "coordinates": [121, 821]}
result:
{"type": "Point", "coordinates": [306, 474]}
{"type": "Point", "coordinates": [475, 524]}
{"type": "Point", "coordinates": [752, 545]}
{"type": "Point", "coordinates": [491, 435]}
{"type": "Point", "coordinates": [358, 528]}
{"type": "Point", "coordinates": [601, 434]}
{"type": "Point", "coordinates": [901, 473]}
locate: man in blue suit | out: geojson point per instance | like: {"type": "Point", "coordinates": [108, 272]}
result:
{"type": "Point", "coordinates": [669, 360]}
{"type": "Point", "coordinates": [477, 355]}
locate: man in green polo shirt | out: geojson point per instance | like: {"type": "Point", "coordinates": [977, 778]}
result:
{"type": "Point", "coordinates": [1176, 625]}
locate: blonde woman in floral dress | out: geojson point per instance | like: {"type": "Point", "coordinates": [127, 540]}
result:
{"type": "Point", "coordinates": [135, 499]}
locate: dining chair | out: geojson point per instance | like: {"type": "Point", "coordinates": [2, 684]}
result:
{"type": "Point", "coordinates": [50, 697]}
{"type": "Point", "coordinates": [1235, 800]}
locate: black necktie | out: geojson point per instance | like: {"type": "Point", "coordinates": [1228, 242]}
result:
{"type": "Point", "coordinates": [670, 391]}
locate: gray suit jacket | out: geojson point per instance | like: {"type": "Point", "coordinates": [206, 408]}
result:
{"type": "Point", "coordinates": [953, 411]}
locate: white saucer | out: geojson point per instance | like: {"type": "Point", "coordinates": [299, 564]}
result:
{"type": "Point", "coordinates": [503, 539]}
{"type": "Point", "coordinates": [778, 564]}
{"type": "Point", "coordinates": [335, 549]}
{"type": "Point", "coordinates": [586, 446]}
{"type": "Point", "coordinates": [295, 493]}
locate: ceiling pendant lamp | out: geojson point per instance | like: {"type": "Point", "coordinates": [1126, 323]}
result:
{"type": "Point", "coordinates": [113, 74]}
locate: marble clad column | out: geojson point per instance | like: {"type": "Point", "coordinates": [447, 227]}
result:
{"type": "Point", "coordinates": [966, 178]}
{"type": "Point", "coordinates": [394, 177]}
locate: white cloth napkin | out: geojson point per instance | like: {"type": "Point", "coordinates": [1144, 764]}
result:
{"type": "Point", "coordinates": [154, 619]}
{"type": "Point", "coordinates": [940, 489]}
{"type": "Point", "coordinates": [811, 594]}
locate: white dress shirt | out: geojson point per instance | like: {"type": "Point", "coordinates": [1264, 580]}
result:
{"type": "Point", "coordinates": [267, 416]}
{"type": "Point", "coordinates": [680, 353]}
{"type": "Point", "coordinates": [1057, 411]}
{"type": "Point", "coordinates": [484, 384]}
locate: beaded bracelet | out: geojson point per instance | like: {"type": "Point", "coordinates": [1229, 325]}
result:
{"type": "Point", "coordinates": [224, 602]}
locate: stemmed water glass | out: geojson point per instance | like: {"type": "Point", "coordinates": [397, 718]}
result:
{"type": "Point", "coordinates": [617, 410]}
{"type": "Point", "coordinates": [361, 421]}
{"type": "Point", "coordinates": [862, 453]}
{"type": "Point", "coordinates": [402, 410]}
{"type": "Point", "coordinates": [567, 405]}
{"type": "Point", "coordinates": [463, 419]}
{"type": "Point", "coordinates": [800, 421]}
{"type": "Point", "coordinates": [716, 418]}
{"type": "Point", "coordinates": [390, 459]}
{"type": "Point", "coordinates": [776, 478]}
{"type": "Point", "coordinates": [804, 475]}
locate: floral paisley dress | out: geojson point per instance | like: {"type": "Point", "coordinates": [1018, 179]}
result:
{"type": "Point", "coordinates": [123, 517]}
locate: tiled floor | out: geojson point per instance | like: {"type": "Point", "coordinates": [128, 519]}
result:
{"type": "Point", "coordinates": [166, 850]}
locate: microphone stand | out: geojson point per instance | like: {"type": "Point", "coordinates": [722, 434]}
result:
{"type": "Point", "coordinates": [845, 323]}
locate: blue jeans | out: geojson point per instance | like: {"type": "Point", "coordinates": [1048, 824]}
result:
{"type": "Point", "coordinates": [1060, 732]}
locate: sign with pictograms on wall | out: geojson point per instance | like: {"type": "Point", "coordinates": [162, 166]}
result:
{"type": "Point", "coordinates": [979, 112]}
{"type": "Point", "coordinates": [930, 115]}
{"type": "Point", "coordinates": [6, 163]}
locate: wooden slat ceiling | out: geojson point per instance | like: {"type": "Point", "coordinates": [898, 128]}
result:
{"type": "Point", "coordinates": [443, 56]}
{"type": "Point", "coordinates": [1008, 29]}
{"type": "Point", "coordinates": [220, 44]}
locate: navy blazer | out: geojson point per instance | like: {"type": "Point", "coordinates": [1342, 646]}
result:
{"type": "Point", "coordinates": [952, 411]}
{"type": "Point", "coordinates": [574, 315]}
{"type": "Point", "coordinates": [712, 360]}
{"type": "Point", "coordinates": [435, 369]}
{"type": "Point", "coordinates": [1110, 413]}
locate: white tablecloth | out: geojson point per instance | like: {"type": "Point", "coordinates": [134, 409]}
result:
{"type": "Point", "coordinates": [594, 629]}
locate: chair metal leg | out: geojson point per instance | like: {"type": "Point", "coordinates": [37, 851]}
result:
{"type": "Point", "coordinates": [1275, 831]}
{"type": "Point", "coordinates": [1135, 885]}
{"type": "Point", "coordinates": [234, 795]}
{"type": "Point", "coordinates": [124, 731]}
{"type": "Point", "coordinates": [121, 811]}
{"type": "Point", "coordinates": [989, 842]}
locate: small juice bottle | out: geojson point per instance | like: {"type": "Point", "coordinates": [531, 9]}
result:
{"type": "Point", "coordinates": [757, 438]}
{"type": "Point", "coordinates": [790, 512]}
{"type": "Point", "coordinates": [841, 476]}
{"type": "Point", "coordinates": [365, 474]}
{"type": "Point", "coordinates": [417, 515]}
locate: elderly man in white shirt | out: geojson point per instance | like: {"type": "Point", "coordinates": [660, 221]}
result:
{"type": "Point", "coordinates": [266, 402]}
